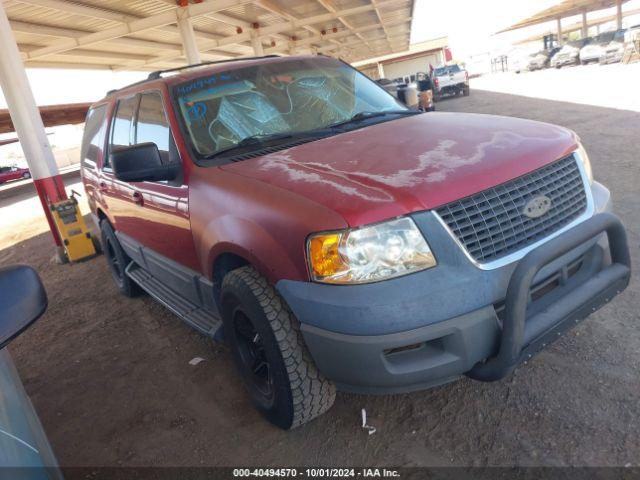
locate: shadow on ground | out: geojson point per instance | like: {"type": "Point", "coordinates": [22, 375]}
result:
{"type": "Point", "coordinates": [110, 378]}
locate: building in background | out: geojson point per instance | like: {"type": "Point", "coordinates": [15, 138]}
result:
{"type": "Point", "coordinates": [405, 64]}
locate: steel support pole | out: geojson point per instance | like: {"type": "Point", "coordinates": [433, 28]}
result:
{"type": "Point", "coordinates": [188, 37]}
{"type": "Point", "coordinates": [585, 25]}
{"type": "Point", "coordinates": [28, 123]}
{"type": "Point", "coordinates": [256, 43]}
{"type": "Point", "coordinates": [559, 30]}
{"type": "Point", "coordinates": [619, 14]}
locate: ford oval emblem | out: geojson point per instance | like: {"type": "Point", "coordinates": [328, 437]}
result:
{"type": "Point", "coordinates": [537, 207]}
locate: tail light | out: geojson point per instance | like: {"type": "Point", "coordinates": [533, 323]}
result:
{"type": "Point", "coordinates": [436, 82]}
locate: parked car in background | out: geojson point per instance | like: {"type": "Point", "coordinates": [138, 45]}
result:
{"type": "Point", "coordinates": [569, 54]}
{"type": "Point", "coordinates": [334, 238]}
{"type": "Point", "coordinates": [614, 50]}
{"type": "Point", "coordinates": [591, 52]}
{"type": "Point", "coordinates": [540, 60]}
{"type": "Point", "coordinates": [25, 452]}
{"type": "Point", "coordinates": [13, 173]}
{"type": "Point", "coordinates": [450, 80]}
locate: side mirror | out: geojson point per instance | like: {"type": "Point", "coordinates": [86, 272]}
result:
{"type": "Point", "coordinates": [142, 162]}
{"type": "Point", "coordinates": [22, 301]}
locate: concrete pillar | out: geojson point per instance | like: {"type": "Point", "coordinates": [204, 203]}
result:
{"type": "Point", "coordinates": [256, 43]}
{"type": "Point", "coordinates": [559, 30]}
{"type": "Point", "coordinates": [188, 37]}
{"type": "Point", "coordinates": [618, 14]}
{"type": "Point", "coordinates": [585, 25]}
{"type": "Point", "coordinates": [28, 123]}
{"type": "Point", "coordinates": [380, 70]}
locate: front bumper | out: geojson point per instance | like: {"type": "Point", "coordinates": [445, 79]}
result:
{"type": "Point", "coordinates": [611, 57]}
{"type": "Point", "coordinates": [561, 62]}
{"type": "Point", "coordinates": [430, 327]}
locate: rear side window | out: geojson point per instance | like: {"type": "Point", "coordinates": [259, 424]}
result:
{"type": "Point", "coordinates": [122, 121]}
{"type": "Point", "coordinates": [152, 126]}
{"type": "Point", "coordinates": [93, 137]}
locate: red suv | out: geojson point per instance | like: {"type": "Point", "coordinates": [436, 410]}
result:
{"type": "Point", "coordinates": [13, 173]}
{"type": "Point", "coordinates": [333, 238]}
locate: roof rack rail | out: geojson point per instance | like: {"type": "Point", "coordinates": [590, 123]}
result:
{"type": "Point", "coordinates": [158, 73]}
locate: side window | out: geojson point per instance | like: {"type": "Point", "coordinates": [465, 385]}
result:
{"type": "Point", "coordinates": [152, 126]}
{"type": "Point", "coordinates": [93, 136]}
{"type": "Point", "coordinates": [121, 128]}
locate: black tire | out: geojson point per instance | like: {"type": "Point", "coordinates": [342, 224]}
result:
{"type": "Point", "coordinates": [269, 351]}
{"type": "Point", "coordinates": [117, 261]}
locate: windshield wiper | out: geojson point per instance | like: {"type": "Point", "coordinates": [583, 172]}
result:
{"type": "Point", "coordinates": [262, 139]}
{"type": "Point", "coordinates": [358, 117]}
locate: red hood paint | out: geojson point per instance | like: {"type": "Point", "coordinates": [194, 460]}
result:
{"type": "Point", "coordinates": [410, 164]}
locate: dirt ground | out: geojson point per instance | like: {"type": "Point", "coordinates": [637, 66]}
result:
{"type": "Point", "coordinates": [111, 380]}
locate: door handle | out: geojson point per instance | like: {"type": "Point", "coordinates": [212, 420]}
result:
{"type": "Point", "coordinates": [137, 198]}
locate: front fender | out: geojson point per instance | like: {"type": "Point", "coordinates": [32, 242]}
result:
{"type": "Point", "coordinates": [249, 240]}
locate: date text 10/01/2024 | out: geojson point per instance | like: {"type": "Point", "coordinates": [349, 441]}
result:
{"type": "Point", "coordinates": [316, 472]}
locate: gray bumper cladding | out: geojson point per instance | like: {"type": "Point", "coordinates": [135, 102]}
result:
{"type": "Point", "coordinates": [522, 337]}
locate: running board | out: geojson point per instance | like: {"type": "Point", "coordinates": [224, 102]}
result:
{"type": "Point", "coordinates": [205, 322]}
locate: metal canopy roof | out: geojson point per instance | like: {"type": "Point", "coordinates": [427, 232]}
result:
{"type": "Point", "coordinates": [143, 35]}
{"type": "Point", "coordinates": [566, 8]}
{"type": "Point", "coordinates": [578, 25]}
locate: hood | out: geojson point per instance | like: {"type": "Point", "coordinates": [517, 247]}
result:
{"type": "Point", "coordinates": [614, 45]}
{"type": "Point", "coordinates": [410, 164]}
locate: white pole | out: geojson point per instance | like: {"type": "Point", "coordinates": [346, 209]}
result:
{"type": "Point", "coordinates": [256, 43]}
{"type": "Point", "coordinates": [188, 37]}
{"type": "Point", "coordinates": [559, 25]}
{"type": "Point", "coordinates": [28, 123]}
{"type": "Point", "coordinates": [619, 14]}
{"type": "Point", "coordinates": [22, 106]}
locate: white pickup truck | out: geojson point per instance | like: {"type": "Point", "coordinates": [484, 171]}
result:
{"type": "Point", "coordinates": [450, 79]}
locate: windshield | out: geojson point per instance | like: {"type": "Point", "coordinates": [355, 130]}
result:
{"type": "Point", "coordinates": [446, 70]}
{"type": "Point", "coordinates": [220, 110]}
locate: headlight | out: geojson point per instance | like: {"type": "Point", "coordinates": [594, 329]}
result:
{"type": "Point", "coordinates": [369, 254]}
{"type": "Point", "coordinates": [581, 153]}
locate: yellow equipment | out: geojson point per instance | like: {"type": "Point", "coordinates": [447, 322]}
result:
{"type": "Point", "coordinates": [73, 232]}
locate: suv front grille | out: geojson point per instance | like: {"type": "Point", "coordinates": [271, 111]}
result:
{"type": "Point", "coordinates": [492, 224]}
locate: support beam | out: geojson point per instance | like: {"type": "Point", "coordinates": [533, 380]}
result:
{"type": "Point", "coordinates": [585, 25]}
{"type": "Point", "coordinates": [188, 37]}
{"type": "Point", "coordinates": [256, 44]}
{"type": "Point", "coordinates": [270, 30]}
{"type": "Point", "coordinates": [618, 14]}
{"type": "Point", "coordinates": [28, 123]}
{"type": "Point", "coordinates": [559, 30]}
{"type": "Point", "coordinates": [134, 26]}
{"type": "Point", "coordinates": [328, 5]}
{"type": "Point", "coordinates": [100, 13]}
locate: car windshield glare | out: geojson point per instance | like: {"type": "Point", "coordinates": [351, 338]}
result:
{"type": "Point", "coordinates": [219, 110]}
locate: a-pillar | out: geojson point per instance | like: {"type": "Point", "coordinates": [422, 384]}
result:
{"type": "Point", "coordinates": [28, 123]}
{"type": "Point", "coordinates": [188, 36]}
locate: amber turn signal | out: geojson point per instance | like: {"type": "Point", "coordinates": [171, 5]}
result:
{"type": "Point", "coordinates": [324, 255]}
